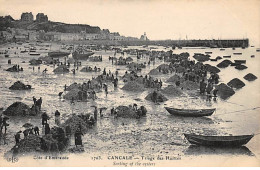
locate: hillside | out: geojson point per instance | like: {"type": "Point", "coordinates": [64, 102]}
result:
{"type": "Point", "coordinates": [48, 26]}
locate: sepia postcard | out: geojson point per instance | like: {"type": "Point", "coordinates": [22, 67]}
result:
{"type": "Point", "coordinates": [129, 83]}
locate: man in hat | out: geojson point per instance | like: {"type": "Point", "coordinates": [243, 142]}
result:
{"type": "Point", "coordinates": [4, 124]}
{"type": "Point", "coordinates": [44, 118]}
{"type": "Point", "coordinates": [17, 137]}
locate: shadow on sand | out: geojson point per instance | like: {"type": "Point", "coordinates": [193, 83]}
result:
{"type": "Point", "coordinates": [203, 150]}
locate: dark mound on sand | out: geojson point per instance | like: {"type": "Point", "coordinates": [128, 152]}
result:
{"type": "Point", "coordinates": [54, 142]}
{"type": "Point", "coordinates": [250, 77]}
{"type": "Point", "coordinates": [35, 62]}
{"type": "Point", "coordinates": [20, 86]}
{"type": "Point", "coordinates": [172, 91]}
{"type": "Point", "coordinates": [61, 69]}
{"type": "Point", "coordinates": [46, 60]}
{"type": "Point", "coordinates": [163, 66]}
{"type": "Point", "coordinates": [154, 72]}
{"type": "Point", "coordinates": [160, 97]}
{"type": "Point", "coordinates": [236, 83]}
{"type": "Point", "coordinates": [174, 78]}
{"type": "Point", "coordinates": [18, 109]}
{"type": "Point", "coordinates": [128, 59]}
{"type": "Point", "coordinates": [133, 86]}
{"type": "Point", "coordinates": [212, 69]}
{"type": "Point", "coordinates": [180, 69]}
{"type": "Point", "coordinates": [126, 112]}
{"type": "Point", "coordinates": [73, 93]}
{"type": "Point", "coordinates": [241, 67]}
{"type": "Point", "coordinates": [12, 69]}
{"type": "Point", "coordinates": [189, 85]}
{"type": "Point", "coordinates": [129, 112]}
{"type": "Point", "coordinates": [218, 58]}
{"type": "Point", "coordinates": [74, 86]}
{"type": "Point", "coordinates": [224, 91]}
{"type": "Point", "coordinates": [201, 57]}
{"type": "Point", "coordinates": [74, 122]}
{"type": "Point", "coordinates": [224, 64]}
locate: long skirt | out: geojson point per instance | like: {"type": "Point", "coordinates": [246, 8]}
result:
{"type": "Point", "coordinates": [57, 120]}
{"type": "Point", "coordinates": [78, 139]}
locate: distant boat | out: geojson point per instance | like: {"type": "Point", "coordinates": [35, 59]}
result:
{"type": "Point", "coordinates": [252, 56]}
{"type": "Point", "coordinates": [213, 46]}
{"type": "Point", "coordinates": [208, 52]}
{"type": "Point", "coordinates": [32, 49]}
{"type": "Point", "coordinates": [19, 43]}
{"type": "Point", "coordinates": [34, 53]}
{"type": "Point", "coordinates": [237, 53]}
{"type": "Point", "coordinates": [243, 45]}
{"type": "Point", "coordinates": [24, 51]}
{"type": "Point", "coordinates": [240, 61]}
{"type": "Point", "coordinates": [257, 50]}
{"type": "Point", "coordinates": [227, 56]}
{"type": "Point", "coordinates": [235, 64]}
{"type": "Point", "coordinates": [213, 59]}
{"type": "Point", "coordinates": [83, 56]}
{"type": "Point", "coordinates": [190, 113]}
{"type": "Point", "coordinates": [218, 141]}
{"type": "Point", "coordinates": [56, 54]}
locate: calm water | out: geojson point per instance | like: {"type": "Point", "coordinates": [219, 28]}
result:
{"type": "Point", "coordinates": [159, 133]}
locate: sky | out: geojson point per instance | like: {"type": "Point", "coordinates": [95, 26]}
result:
{"type": "Point", "coordinates": [160, 19]}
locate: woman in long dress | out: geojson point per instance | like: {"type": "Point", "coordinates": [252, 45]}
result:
{"type": "Point", "coordinates": [78, 138]}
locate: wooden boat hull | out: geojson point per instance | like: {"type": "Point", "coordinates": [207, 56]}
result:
{"type": "Point", "coordinates": [235, 64]}
{"type": "Point", "coordinates": [35, 54]}
{"type": "Point", "coordinates": [82, 56]}
{"type": "Point", "coordinates": [58, 54]}
{"type": "Point", "coordinates": [227, 56]}
{"type": "Point", "coordinates": [190, 113]}
{"type": "Point", "coordinates": [218, 141]}
{"type": "Point", "coordinates": [240, 61]}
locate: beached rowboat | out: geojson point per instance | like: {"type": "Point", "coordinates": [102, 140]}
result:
{"type": "Point", "coordinates": [190, 113]}
{"type": "Point", "coordinates": [83, 56]}
{"type": "Point", "coordinates": [218, 141]}
{"type": "Point", "coordinates": [57, 54]}
{"type": "Point", "coordinates": [227, 56]}
{"type": "Point", "coordinates": [240, 61]}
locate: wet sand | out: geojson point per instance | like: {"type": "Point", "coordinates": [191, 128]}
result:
{"type": "Point", "coordinates": [159, 133]}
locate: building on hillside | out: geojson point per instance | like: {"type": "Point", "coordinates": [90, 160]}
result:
{"type": "Point", "coordinates": [144, 37]}
{"type": "Point", "coordinates": [72, 37]}
{"type": "Point", "coordinates": [40, 17]}
{"type": "Point", "coordinates": [5, 35]}
{"type": "Point", "coordinates": [104, 34]}
{"type": "Point", "coordinates": [7, 18]}
{"type": "Point", "coordinates": [92, 36]}
{"type": "Point", "coordinates": [132, 39]}
{"type": "Point", "coordinates": [27, 17]}
{"type": "Point", "coordinates": [20, 38]}
{"type": "Point", "coordinates": [32, 35]}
